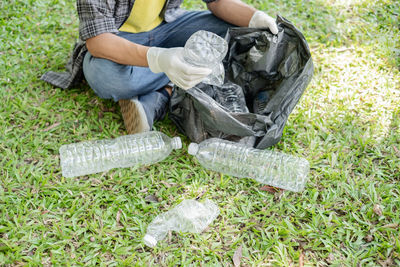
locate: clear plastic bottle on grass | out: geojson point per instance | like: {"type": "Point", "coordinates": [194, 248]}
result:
{"type": "Point", "coordinates": [207, 49]}
{"type": "Point", "coordinates": [265, 166]}
{"type": "Point", "coordinates": [125, 151]}
{"type": "Point", "coordinates": [189, 216]}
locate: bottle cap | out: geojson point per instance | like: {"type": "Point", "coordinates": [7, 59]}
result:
{"type": "Point", "coordinates": [176, 143]}
{"type": "Point", "coordinates": [193, 148]}
{"type": "Point", "coordinates": [150, 241]}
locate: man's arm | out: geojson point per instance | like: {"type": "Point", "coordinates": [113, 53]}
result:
{"type": "Point", "coordinates": [233, 11]}
{"type": "Point", "coordinates": [117, 49]}
{"type": "Point", "coordinates": [167, 60]}
{"type": "Point", "coordinates": [241, 14]}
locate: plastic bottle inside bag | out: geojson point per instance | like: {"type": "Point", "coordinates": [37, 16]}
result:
{"type": "Point", "coordinates": [206, 49]}
{"type": "Point", "coordinates": [260, 101]}
{"type": "Point", "coordinates": [231, 96]}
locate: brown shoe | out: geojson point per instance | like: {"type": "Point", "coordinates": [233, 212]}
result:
{"type": "Point", "coordinates": [134, 116]}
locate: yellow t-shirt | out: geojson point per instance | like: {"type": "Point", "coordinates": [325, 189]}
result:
{"type": "Point", "coordinates": [145, 16]}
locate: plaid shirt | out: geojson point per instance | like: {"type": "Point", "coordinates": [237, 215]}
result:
{"type": "Point", "coordinates": [96, 17]}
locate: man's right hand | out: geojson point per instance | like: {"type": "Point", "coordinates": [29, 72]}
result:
{"type": "Point", "coordinates": [171, 62]}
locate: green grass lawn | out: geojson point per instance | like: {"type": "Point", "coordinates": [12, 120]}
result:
{"type": "Point", "coordinates": [347, 124]}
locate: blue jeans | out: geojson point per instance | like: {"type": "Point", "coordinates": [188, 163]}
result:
{"type": "Point", "coordinates": [111, 80]}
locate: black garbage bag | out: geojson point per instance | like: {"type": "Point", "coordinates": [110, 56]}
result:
{"type": "Point", "coordinates": [271, 73]}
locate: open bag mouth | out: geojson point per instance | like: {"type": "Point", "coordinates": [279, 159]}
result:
{"type": "Point", "coordinates": [256, 61]}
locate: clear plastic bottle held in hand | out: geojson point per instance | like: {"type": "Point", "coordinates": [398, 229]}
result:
{"type": "Point", "coordinates": [265, 166]}
{"type": "Point", "coordinates": [206, 49]}
{"type": "Point", "coordinates": [125, 151]}
{"type": "Point", "coordinates": [189, 216]}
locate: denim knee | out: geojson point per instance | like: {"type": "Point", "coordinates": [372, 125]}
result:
{"type": "Point", "coordinates": [100, 75]}
{"type": "Point", "coordinates": [110, 80]}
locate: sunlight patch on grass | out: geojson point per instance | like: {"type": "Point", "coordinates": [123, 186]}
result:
{"type": "Point", "coordinates": [357, 83]}
{"type": "Point", "coordinates": [345, 3]}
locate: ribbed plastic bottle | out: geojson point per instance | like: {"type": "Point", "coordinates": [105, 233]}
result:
{"type": "Point", "coordinates": [189, 216]}
{"type": "Point", "coordinates": [207, 49]}
{"type": "Point", "coordinates": [268, 167]}
{"type": "Point", "coordinates": [260, 102]}
{"type": "Point", "coordinates": [231, 96]}
{"type": "Point", "coordinates": [125, 151]}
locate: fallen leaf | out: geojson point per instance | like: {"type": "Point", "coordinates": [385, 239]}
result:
{"type": "Point", "coordinates": [237, 256]}
{"type": "Point", "coordinates": [377, 210]}
{"type": "Point", "coordinates": [301, 258]}
{"type": "Point", "coordinates": [201, 194]}
{"type": "Point", "coordinates": [107, 109]}
{"type": "Point", "coordinates": [95, 181]}
{"type": "Point", "coordinates": [369, 238]}
{"type": "Point", "coordinates": [330, 258]}
{"type": "Point", "coordinates": [151, 198]}
{"type": "Point", "coordinates": [166, 184]}
{"type": "Point", "coordinates": [391, 225]}
{"type": "Point", "coordinates": [386, 263]}
{"type": "Point", "coordinates": [45, 211]}
{"type": "Point", "coordinates": [31, 253]}
{"type": "Point", "coordinates": [269, 189]}
{"type": "Point", "coordinates": [51, 126]}
{"type": "Point", "coordinates": [169, 236]}
{"type": "Point", "coordinates": [30, 160]}
{"type": "Point", "coordinates": [396, 150]}
{"type": "Point", "coordinates": [118, 216]}
{"type": "Point", "coordinates": [144, 168]}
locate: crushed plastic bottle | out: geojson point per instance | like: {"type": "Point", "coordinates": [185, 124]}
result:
{"type": "Point", "coordinates": [231, 96]}
{"type": "Point", "coordinates": [206, 49]}
{"type": "Point", "coordinates": [125, 151]}
{"type": "Point", "coordinates": [265, 166]}
{"type": "Point", "coordinates": [189, 216]}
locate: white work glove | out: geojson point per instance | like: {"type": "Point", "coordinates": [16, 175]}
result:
{"type": "Point", "coordinates": [171, 62]}
{"type": "Point", "coordinates": [262, 20]}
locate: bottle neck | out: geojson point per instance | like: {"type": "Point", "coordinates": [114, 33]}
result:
{"type": "Point", "coordinates": [176, 143]}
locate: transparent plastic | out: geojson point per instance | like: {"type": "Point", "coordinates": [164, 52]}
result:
{"type": "Point", "coordinates": [206, 49]}
{"type": "Point", "coordinates": [125, 151]}
{"type": "Point", "coordinates": [265, 166]}
{"type": "Point", "coordinates": [260, 101]}
{"type": "Point", "coordinates": [231, 96]}
{"type": "Point", "coordinates": [189, 216]}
